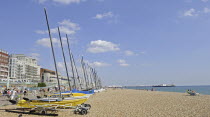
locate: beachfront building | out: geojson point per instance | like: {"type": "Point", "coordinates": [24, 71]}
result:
{"type": "Point", "coordinates": [23, 68]}
{"type": "Point", "coordinates": [4, 64]}
{"type": "Point", "coordinates": [49, 77]}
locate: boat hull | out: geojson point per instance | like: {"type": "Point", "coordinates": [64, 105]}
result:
{"type": "Point", "coordinates": [163, 86]}
{"type": "Point", "coordinates": [50, 102]}
{"type": "Point", "coordinates": [77, 91]}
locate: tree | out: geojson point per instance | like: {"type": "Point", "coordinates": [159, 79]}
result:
{"type": "Point", "coordinates": [41, 84]}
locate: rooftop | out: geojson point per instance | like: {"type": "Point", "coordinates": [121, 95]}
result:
{"type": "Point", "coordinates": [3, 51]}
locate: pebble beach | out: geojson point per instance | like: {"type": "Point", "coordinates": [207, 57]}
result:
{"type": "Point", "coordinates": [137, 103]}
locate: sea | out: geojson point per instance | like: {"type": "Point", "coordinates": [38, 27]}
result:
{"type": "Point", "coordinates": [182, 89]}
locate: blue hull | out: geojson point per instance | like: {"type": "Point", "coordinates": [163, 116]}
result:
{"type": "Point", "coordinates": [77, 91]}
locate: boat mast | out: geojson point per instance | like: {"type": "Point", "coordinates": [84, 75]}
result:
{"type": "Point", "coordinates": [52, 51]}
{"type": "Point", "coordinates": [87, 77]}
{"type": "Point", "coordinates": [82, 63]}
{"type": "Point", "coordinates": [76, 72]}
{"type": "Point", "coordinates": [91, 76]}
{"type": "Point", "coordinates": [95, 79]}
{"type": "Point", "coordinates": [72, 68]}
{"type": "Point", "coordinates": [64, 58]}
{"type": "Point", "coordinates": [100, 84]}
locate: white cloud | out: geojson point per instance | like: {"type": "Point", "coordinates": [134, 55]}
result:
{"type": "Point", "coordinates": [204, 0]}
{"type": "Point", "coordinates": [70, 24]}
{"type": "Point", "coordinates": [129, 53]}
{"type": "Point", "coordinates": [35, 55]}
{"type": "Point", "coordinates": [206, 10]}
{"type": "Point", "coordinates": [45, 42]}
{"type": "Point", "coordinates": [191, 12]}
{"type": "Point", "coordinates": [41, 32]}
{"type": "Point", "coordinates": [42, 1]}
{"type": "Point", "coordinates": [96, 63]}
{"type": "Point", "coordinates": [143, 52]}
{"type": "Point", "coordinates": [65, 2]}
{"type": "Point", "coordinates": [123, 63]}
{"type": "Point", "coordinates": [99, 64]}
{"type": "Point", "coordinates": [61, 67]}
{"type": "Point", "coordinates": [66, 27]}
{"type": "Point", "coordinates": [100, 46]}
{"type": "Point", "coordinates": [63, 29]}
{"type": "Point", "coordinates": [104, 15]}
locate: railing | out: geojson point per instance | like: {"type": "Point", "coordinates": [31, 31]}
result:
{"type": "Point", "coordinates": [4, 82]}
{"type": "Point", "coordinates": [3, 75]}
{"type": "Point", "coordinates": [4, 70]}
{"type": "Point", "coordinates": [4, 66]}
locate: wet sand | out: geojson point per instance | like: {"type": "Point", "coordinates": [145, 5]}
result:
{"type": "Point", "coordinates": [139, 103]}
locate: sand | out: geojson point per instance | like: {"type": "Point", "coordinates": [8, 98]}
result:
{"type": "Point", "coordinates": [139, 103]}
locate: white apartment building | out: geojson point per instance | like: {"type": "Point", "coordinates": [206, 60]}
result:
{"type": "Point", "coordinates": [23, 68]}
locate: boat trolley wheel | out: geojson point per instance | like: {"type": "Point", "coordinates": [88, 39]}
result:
{"type": "Point", "coordinates": [87, 105]}
{"type": "Point", "coordinates": [43, 112]}
{"type": "Point", "coordinates": [83, 111]}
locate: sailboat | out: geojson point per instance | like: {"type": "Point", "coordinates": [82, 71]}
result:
{"type": "Point", "coordinates": [60, 99]}
{"type": "Point", "coordinates": [49, 102]}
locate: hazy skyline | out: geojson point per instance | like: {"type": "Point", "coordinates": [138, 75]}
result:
{"type": "Point", "coordinates": [135, 42]}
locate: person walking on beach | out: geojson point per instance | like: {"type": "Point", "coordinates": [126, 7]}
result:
{"type": "Point", "coordinates": [8, 93]}
{"type": "Point", "coordinates": [13, 94]}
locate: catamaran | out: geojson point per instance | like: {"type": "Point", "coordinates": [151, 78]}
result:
{"type": "Point", "coordinates": [55, 99]}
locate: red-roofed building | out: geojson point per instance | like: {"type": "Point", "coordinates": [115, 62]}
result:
{"type": "Point", "coordinates": [4, 64]}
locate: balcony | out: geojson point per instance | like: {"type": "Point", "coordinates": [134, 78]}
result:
{"type": "Point", "coordinates": [3, 75]}
{"type": "Point", "coordinates": [7, 66]}
{"type": "Point", "coordinates": [4, 70]}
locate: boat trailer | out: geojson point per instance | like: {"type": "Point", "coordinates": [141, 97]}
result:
{"type": "Point", "coordinates": [49, 111]}
{"type": "Point", "coordinates": [34, 111]}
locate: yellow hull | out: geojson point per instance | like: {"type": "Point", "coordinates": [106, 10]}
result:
{"type": "Point", "coordinates": [35, 103]}
{"type": "Point", "coordinates": [78, 94]}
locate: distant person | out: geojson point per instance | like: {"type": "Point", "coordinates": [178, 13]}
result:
{"type": "Point", "coordinates": [25, 92]}
{"type": "Point", "coordinates": [13, 94]}
{"type": "Point", "coordinates": [56, 89]}
{"type": "Point", "coordinates": [34, 92]}
{"type": "Point", "coordinates": [8, 93]}
{"type": "Point", "coordinates": [5, 92]}
{"type": "Point", "coordinates": [43, 91]}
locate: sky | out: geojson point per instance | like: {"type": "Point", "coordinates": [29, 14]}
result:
{"type": "Point", "coordinates": [129, 42]}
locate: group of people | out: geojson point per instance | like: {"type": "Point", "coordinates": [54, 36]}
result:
{"type": "Point", "coordinates": [192, 92]}
{"type": "Point", "coordinates": [17, 93]}
{"type": "Point", "coordinates": [13, 93]}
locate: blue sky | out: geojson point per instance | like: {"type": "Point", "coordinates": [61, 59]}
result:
{"type": "Point", "coordinates": [129, 42]}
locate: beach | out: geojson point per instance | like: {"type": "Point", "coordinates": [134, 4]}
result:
{"type": "Point", "coordinates": [139, 103]}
